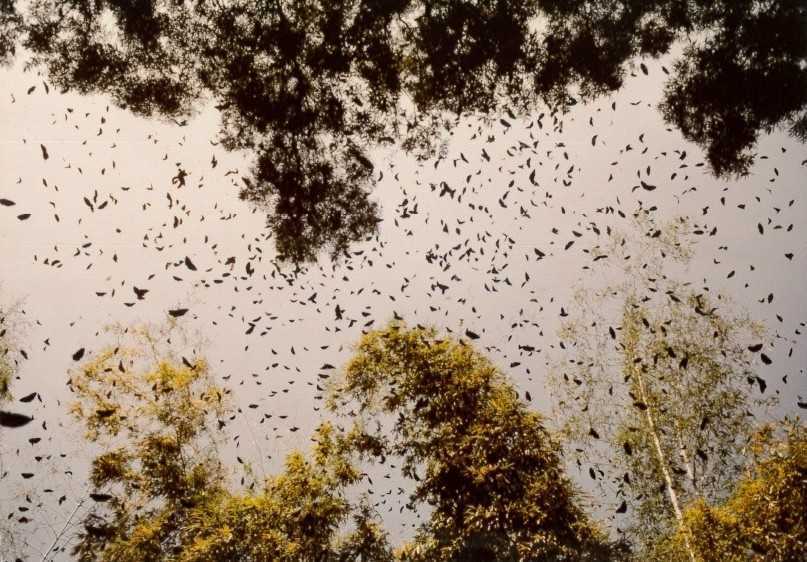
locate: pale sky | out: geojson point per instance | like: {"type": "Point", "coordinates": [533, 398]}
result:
{"type": "Point", "coordinates": [126, 164]}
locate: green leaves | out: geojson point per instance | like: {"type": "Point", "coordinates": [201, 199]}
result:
{"type": "Point", "coordinates": [485, 465]}
{"type": "Point", "coordinates": [150, 413]}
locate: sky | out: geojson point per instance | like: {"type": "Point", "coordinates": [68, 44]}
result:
{"type": "Point", "coordinates": [107, 215]}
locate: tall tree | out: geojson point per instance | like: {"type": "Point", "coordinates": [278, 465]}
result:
{"type": "Point", "coordinates": [478, 457]}
{"type": "Point", "coordinates": [656, 390]}
{"type": "Point", "coordinates": [311, 86]}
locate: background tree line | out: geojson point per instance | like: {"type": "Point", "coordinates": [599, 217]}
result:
{"type": "Point", "coordinates": [488, 469]}
{"type": "Point", "coordinates": [658, 401]}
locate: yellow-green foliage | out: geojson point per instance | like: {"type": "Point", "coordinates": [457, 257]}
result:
{"type": "Point", "coordinates": [7, 316]}
{"type": "Point", "coordinates": [482, 461]}
{"type": "Point", "coordinates": [153, 415]}
{"type": "Point", "coordinates": [295, 517]}
{"type": "Point", "coordinates": [764, 519]}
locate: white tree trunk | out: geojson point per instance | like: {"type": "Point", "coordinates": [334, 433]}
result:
{"type": "Point", "coordinates": [662, 460]}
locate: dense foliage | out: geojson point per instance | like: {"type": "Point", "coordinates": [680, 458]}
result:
{"type": "Point", "coordinates": [764, 517]}
{"type": "Point", "coordinates": [311, 87]}
{"type": "Point", "coordinates": [296, 516]}
{"type": "Point", "coordinates": [161, 489]}
{"type": "Point", "coordinates": [478, 457]}
{"type": "Point", "coordinates": [482, 466]}
{"type": "Point", "coordinates": [152, 415]}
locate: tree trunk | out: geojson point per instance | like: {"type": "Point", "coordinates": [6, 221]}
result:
{"type": "Point", "coordinates": [662, 460]}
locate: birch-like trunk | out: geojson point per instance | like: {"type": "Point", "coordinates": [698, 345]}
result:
{"type": "Point", "coordinates": [662, 460]}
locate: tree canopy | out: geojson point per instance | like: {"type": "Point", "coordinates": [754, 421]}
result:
{"type": "Point", "coordinates": [657, 387]}
{"type": "Point", "coordinates": [153, 415]}
{"type": "Point", "coordinates": [161, 489]}
{"type": "Point", "coordinates": [482, 461]}
{"type": "Point", "coordinates": [481, 465]}
{"type": "Point", "coordinates": [311, 87]}
{"type": "Point", "coordinates": [297, 515]}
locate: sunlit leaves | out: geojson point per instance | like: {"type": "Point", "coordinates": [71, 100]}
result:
{"type": "Point", "coordinates": [479, 458]}
{"type": "Point", "coordinates": [152, 415]}
{"type": "Point", "coordinates": [763, 518]}
{"type": "Point", "coordinates": [297, 515]}
{"type": "Point", "coordinates": [161, 487]}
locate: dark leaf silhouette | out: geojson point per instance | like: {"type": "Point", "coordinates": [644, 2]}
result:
{"type": "Point", "coordinates": [12, 420]}
{"type": "Point", "coordinates": [311, 87]}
